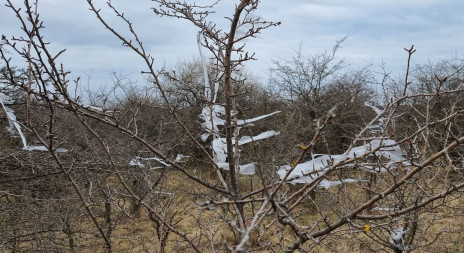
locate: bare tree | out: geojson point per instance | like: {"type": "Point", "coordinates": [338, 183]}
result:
{"type": "Point", "coordinates": [393, 180]}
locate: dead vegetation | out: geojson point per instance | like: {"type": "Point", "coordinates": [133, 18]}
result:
{"type": "Point", "coordinates": [322, 160]}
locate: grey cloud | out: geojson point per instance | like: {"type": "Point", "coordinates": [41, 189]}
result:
{"type": "Point", "coordinates": [378, 31]}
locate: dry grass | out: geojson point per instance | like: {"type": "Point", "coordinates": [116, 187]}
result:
{"type": "Point", "coordinates": [210, 228]}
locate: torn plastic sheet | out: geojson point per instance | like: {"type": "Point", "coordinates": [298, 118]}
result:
{"type": "Point", "coordinates": [220, 148]}
{"type": "Point", "coordinates": [307, 171]}
{"type": "Point", "coordinates": [14, 126]}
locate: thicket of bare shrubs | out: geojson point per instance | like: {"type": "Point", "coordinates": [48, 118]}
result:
{"type": "Point", "coordinates": [136, 174]}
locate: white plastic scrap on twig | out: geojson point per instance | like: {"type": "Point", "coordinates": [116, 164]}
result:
{"type": "Point", "coordinates": [98, 109]}
{"type": "Point", "coordinates": [326, 184]}
{"type": "Point", "coordinates": [141, 162]}
{"type": "Point", "coordinates": [212, 116]}
{"type": "Point", "coordinates": [180, 158]}
{"type": "Point", "coordinates": [396, 238]}
{"type": "Point", "coordinates": [246, 121]}
{"type": "Point", "coordinates": [379, 128]}
{"type": "Point", "coordinates": [14, 126]}
{"type": "Point", "coordinates": [163, 193]}
{"type": "Point", "coordinates": [43, 148]}
{"type": "Point", "coordinates": [386, 209]}
{"type": "Point", "coordinates": [208, 89]}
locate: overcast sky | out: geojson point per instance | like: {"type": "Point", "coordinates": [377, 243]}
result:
{"type": "Point", "coordinates": [378, 31]}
